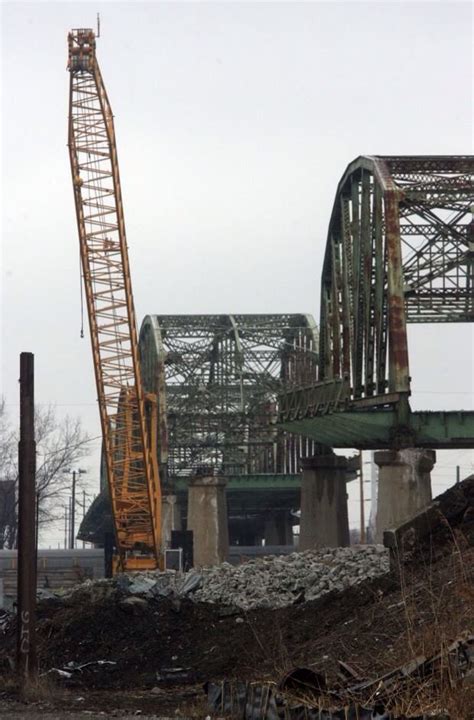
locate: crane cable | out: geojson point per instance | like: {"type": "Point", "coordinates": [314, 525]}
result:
{"type": "Point", "coordinates": [81, 293]}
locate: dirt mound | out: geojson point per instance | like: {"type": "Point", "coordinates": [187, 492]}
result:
{"type": "Point", "coordinates": [374, 626]}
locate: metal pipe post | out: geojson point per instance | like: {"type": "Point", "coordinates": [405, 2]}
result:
{"type": "Point", "coordinates": [26, 599]}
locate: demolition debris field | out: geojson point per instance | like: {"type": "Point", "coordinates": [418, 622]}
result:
{"type": "Point", "coordinates": [165, 644]}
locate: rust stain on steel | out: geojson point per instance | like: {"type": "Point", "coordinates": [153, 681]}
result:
{"type": "Point", "coordinates": [397, 329]}
{"type": "Point", "coordinates": [399, 375]}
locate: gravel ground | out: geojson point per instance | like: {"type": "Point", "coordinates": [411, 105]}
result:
{"type": "Point", "coordinates": [175, 704]}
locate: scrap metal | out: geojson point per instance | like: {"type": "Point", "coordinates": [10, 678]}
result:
{"type": "Point", "coordinates": [302, 693]}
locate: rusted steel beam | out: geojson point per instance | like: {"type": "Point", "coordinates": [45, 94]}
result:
{"type": "Point", "coordinates": [379, 298]}
{"type": "Point", "coordinates": [346, 288]}
{"type": "Point", "coordinates": [366, 301]}
{"type": "Point", "coordinates": [399, 376]}
{"type": "Point", "coordinates": [336, 320]}
{"type": "Point", "coordinates": [358, 319]}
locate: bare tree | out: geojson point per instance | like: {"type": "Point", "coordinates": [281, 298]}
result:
{"type": "Point", "coordinates": [8, 481]}
{"type": "Point", "coordinates": [60, 445]}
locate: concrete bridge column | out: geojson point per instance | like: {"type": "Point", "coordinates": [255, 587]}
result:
{"type": "Point", "coordinates": [279, 528]}
{"type": "Point", "coordinates": [324, 519]}
{"type": "Point", "coordinates": [170, 518]}
{"type": "Point", "coordinates": [404, 486]}
{"type": "Point", "coordinates": [207, 518]}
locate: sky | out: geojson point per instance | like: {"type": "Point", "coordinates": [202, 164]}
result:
{"type": "Point", "coordinates": [234, 123]}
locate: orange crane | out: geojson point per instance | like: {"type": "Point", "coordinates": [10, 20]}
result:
{"type": "Point", "coordinates": [128, 417]}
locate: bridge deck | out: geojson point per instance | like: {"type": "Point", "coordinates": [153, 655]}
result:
{"type": "Point", "coordinates": [379, 429]}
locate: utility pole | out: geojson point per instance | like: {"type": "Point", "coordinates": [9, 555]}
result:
{"type": "Point", "coordinates": [70, 537]}
{"type": "Point", "coordinates": [83, 511]}
{"type": "Point", "coordinates": [26, 593]}
{"type": "Point", "coordinates": [458, 474]}
{"type": "Point", "coordinates": [362, 509]}
{"type": "Point", "coordinates": [73, 510]}
{"type": "Point", "coordinates": [69, 523]}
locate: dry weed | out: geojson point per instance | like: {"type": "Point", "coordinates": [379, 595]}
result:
{"type": "Point", "coordinates": [42, 689]}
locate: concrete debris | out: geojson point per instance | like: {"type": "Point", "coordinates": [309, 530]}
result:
{"type": "Point", "coordinates": [72, 667]}
{"type": "Point", "coordinates": [267, 582]}
{"type": "Point", "coordinates": [278, 581]}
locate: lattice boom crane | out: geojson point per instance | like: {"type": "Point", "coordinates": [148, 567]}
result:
{"type": "Point", "coordinates": [128, 418]}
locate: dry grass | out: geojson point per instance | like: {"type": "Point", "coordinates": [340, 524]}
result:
{"type": "Point", "coordinates": [197, 708]}
{"type": "Point", "coordinates": [436, 599]}
{"type": "Point", "coordinates": [273, 647]}
{"type": "Point", "coordinates": [42, 689]}
{"type": "Point", "coordinates": [437, 614]}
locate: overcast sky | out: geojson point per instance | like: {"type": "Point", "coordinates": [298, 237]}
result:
{"type": "Point", "coordinates": [234, 123]}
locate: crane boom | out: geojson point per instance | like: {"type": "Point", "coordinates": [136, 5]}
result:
{"type": "Point", "coordinates": [132, 468]}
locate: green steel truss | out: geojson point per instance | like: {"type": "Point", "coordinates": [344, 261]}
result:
{"type": "Point", "coordinates": [400, 249]}
{"type": "Point", "coordinates": [217, 378]}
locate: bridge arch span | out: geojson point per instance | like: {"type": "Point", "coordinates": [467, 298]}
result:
{"type": "Point", "coordinates": [399, 249]}
{"type": "Point", "coordinates": [218, 379]}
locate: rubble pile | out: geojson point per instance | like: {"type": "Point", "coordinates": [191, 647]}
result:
{"type": "Point", "coordinates": [279, 581]}
{"type": "Point", "coordinates": [269, 582]}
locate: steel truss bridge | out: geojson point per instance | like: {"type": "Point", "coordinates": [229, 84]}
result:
{"type": "Point", "coordinates": [400, 249]}
{"type": "Point", "coordinates": [218, 378]}
{"type": "Point", "coordinates": [249, 396]}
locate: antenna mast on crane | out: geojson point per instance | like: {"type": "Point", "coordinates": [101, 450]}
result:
{"type": "Point", "coordinates": [130, 449]}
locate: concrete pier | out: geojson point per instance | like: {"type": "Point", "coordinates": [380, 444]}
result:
{"type": "Point", "coordinates": [207, 518]}
{"type": "Point", "coordinates": [324, 519]}
{"type": "Point", "coordinates": [279, 529]}
{"type": "Point", "coordinates": [404, 486]}
{"type": "Point", "coordinates": [170, 518]}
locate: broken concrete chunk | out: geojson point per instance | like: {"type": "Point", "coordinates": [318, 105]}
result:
{"type": "Point", "coordinates": [192, 582]}
{"type": "Point", "coordinates": [141, 586]}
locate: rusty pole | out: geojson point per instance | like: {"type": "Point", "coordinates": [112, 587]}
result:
{"type": "Point", "coordinates": [26, 592]}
